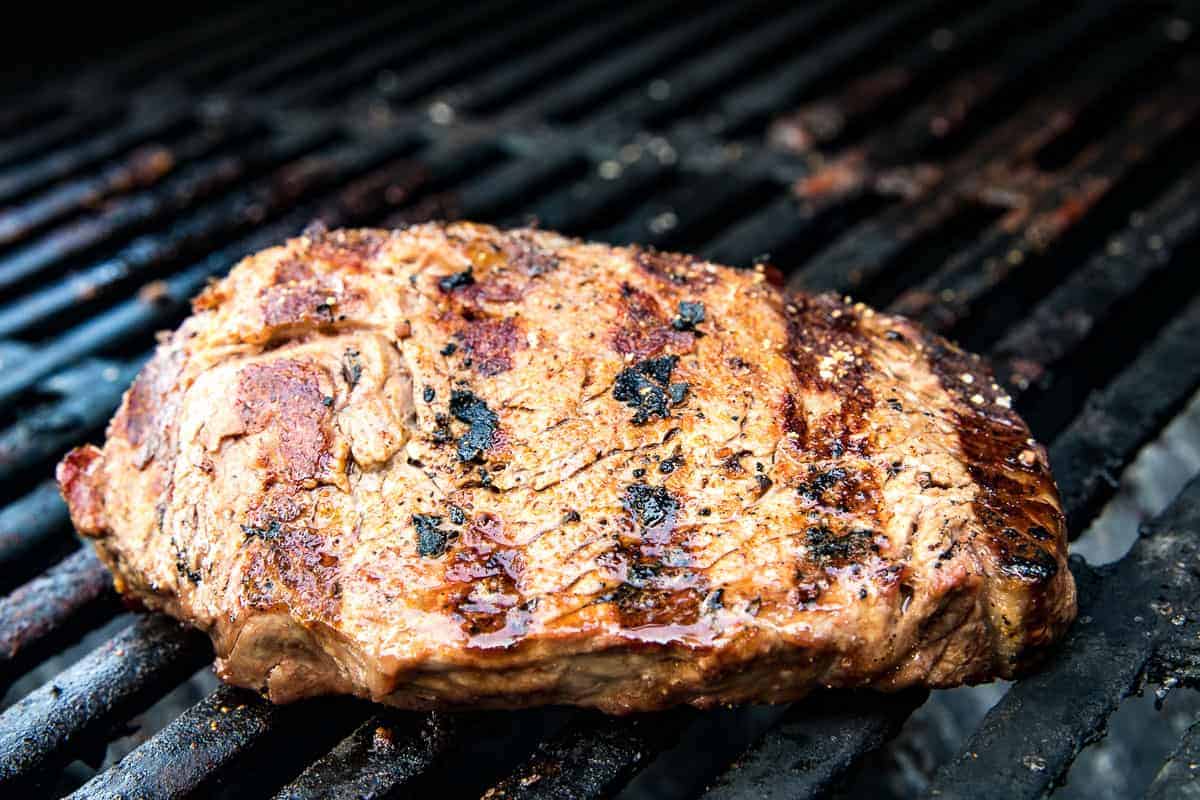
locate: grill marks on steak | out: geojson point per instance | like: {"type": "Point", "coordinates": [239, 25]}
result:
{"type": "Point", "coordinates": [635, 479]}
{"type": "Point", "coordinates": [829, 353]}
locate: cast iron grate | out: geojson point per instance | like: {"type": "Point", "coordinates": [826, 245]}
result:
{"type": "Point", "coordinates": [1018, 175]}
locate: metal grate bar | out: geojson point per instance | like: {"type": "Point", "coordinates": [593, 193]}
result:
{"type": "Point", "coordinates": [60, 130]}
{"type": "Point", "coordinates": [1116, 421]}
{"type": "Point", "coordinates": [33, 529]}
{"type": "Point", "coordinates": [951, 294]}
{"type": "Point", "coordinates": [582, 88]}
{"type": "Point", "coordinates": [665, 220]}
{"type": "Point", "coordinates": [39, 617]}
{"type": "Point", "coordinates": [87, 395]}
{"type": "Point", "coordinates": [205, 178]}
{"type": "Point", "coordinates": [157, 119]}
{"type": "Point", "coordinates": [141, 315]}
{"type": "Point", "coordinates": [1074, 310]}
{"type": "Point", "coordinates": [815, 744]}
{"type": "Point", "coordinates": [1030, 737]}
{"type": "Point", "coordinates": [827, 120]}
{"type": "Point", "coordinates": [593, 757]}
{"type": "Point", "coordinates": [219, 65]}
{"type": "Point", "coordinates": [168, 50]}
{"type": "Point", "coordinates": [82, 704]}
{"type": "Point", "coordinates": [199, 227]}
{"type": "Point", "coordinates": [773, 91]}
{"type": "Point", "coordinates": [382, 756]}
{"type": "Point", "coordinates": [1177, 778]}
{"type": "Point", "coordinates": [391, 20]}
{"type": "Point", "coordinates": [362, 65]}
{"type": "Point", "coordinates": [488, 194]}
{"type": "Point", "coordinates": [861, 257]}
{"type": "Point", "coordinates": [521, 70]}
{"type": "Point", "coordinates": [709, 70]}
{"type": "Point", "coordinates": [142, 168]}
{"type": "Point", "coordinates": [956, 107]}
{"type": "Point", "coordinates": [762, 233]}
{"type": "Point", "coordinates": [187, 755]}
{"type": "Point", "coordinates": [417, 78]}
{"type": "Point", "coordinates": [594, 201]}
{"type": "Point", "coordinates": [18, 117]}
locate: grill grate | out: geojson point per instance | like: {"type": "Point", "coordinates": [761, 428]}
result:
{"type": "Point", "coordinates": [1021, 177]}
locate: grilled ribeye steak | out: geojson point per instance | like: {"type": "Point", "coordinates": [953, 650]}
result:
{"type": "Point", "coordinates": [452, 466]}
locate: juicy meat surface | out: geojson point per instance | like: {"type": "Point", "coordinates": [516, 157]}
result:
{"type": "Point", "coordinates": [452, 466]}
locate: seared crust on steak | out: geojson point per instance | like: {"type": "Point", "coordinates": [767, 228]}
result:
{"type": "Point", "coordinates": [452, 466]}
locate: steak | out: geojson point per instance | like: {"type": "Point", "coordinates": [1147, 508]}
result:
{"type": "Point", "coordinates": [452, 466]}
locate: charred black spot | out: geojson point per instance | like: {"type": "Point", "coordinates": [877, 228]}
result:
{"type": "Point", "coordinates": [641, 575]}
{"type": "Point", "coordinates": [669, 465]}
{"type": "Point", "coordinates": [820, 483]}
{"type": "Point", "coordinates": [451, 282]}
{"type": "Point", "coordinates": [1035, 565]}
{"type": "Point", "coordinates": [351, 368]}
{"type": "Point", "coordinates": [571, 516]}
{"type": "Point", "coordinates": [441, 434]}
{"type": "Point", "coordinates": [678, 392]}
{"type": "Point", "coordinates": [457, 516]}
{"type": "Point", "coordinates": [651, 506]}
{"type": "Point", "coordinates": [450, 349]}
{"type": "Point", "coordinates": [825, 545]}
{"type": "Point", "coordinates": [690, 315]}
{"type": "Point", "coordinates": [1040, 533]}
{"type": "Point", "coordinates": [429, 394]}
{"type": "Point", "coordinates": [715, 600]}
{"type": "Point", "coordinates": [183, 569]}
{"type": "Point", "coordinates": [267, 533]}
{"type": "Point", "coordinates": [468, 408]}
{"type": "Point", "coordinates": [639, 473]}
{"type": "Point", "coordinates": [645, 387]}
{"type": "Point", "coordinates": [431, 540]}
